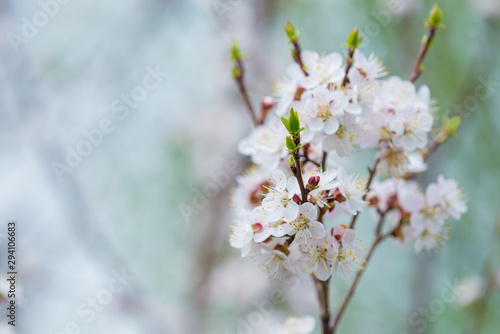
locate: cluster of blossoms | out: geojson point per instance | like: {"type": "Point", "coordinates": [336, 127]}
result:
{"type": "Point", "coordinates": [368, 111]}
{"type": "Point", "coordinates": [283, 234]}
{"type": "Point", "coordinates": [301, 180]}
{"type": "Point", "coordinates": [341, 108]}
{"type": "Point", "coordinates": [418, 216]}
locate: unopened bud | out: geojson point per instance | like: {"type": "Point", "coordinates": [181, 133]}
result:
{"type": "Point", "coordinates": [435, 17]}
{"type": "Point", "coordinates": [296, 198]}
{"type": "Point", "coordinates": [293, 34]}
{"type": "Point", "coordinates": [313, 182]}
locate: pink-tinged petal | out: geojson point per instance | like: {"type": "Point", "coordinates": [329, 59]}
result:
{"type": "Point", "coordinates": [309, 211]}
{"type": "Point", "coordinates": [291, 211]}
{"type": "Point", "coordinates": [317, 230]}
{"type": "Point", "coordinates": [349, 237]}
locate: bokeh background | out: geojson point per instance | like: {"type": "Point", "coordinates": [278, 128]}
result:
{"type": "Point", "coordinates": [117, 210]}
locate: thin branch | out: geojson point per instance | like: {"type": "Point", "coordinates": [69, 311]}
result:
{"type": "Point", "coordinates": [297, 56]}
{"type": "Point", "coordinates": [322, 290]}
{"type": "Point", "coordinates": [417, 68]}
{"type": "Point", "coordinates": [378, 238]}
{"type": "Point", "coordinates": [238, 77]}
{"type": "Point", "coordinates": [372, 172]}
{"type": "Point", "coordinates": [297, 170]}
{"type": "Point", "coordinates": [323, 161]}
{"type": "Point", "coordinates": [348, 66]}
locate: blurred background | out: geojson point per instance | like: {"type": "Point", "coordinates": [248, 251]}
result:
{"type": "Point", "coordinates": [117, 114]}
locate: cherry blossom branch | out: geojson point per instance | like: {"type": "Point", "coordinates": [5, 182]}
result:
{"type": "Point", "coordinates": [372, 172]}
{"type": "Point", "coordinates": [293, 35]}
{"type": "Point", "coordinates": [432, 23]}
{"type": "Point", "coordinates": [238, 75]}
{"type": "Point", "coordinates": [340, 312]}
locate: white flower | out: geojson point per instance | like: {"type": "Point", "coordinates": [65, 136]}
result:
{"type": "Point", "coordinates": [274, 262]}
{"type": "Point", "coordinates": [446, 194]}
{"type": "Point", "coordinates": [344, 139]}
{"type": "Point", "coordinates": [393, 161]}
{"type": "Point", "coordinates": [305, 225]}
{"type": "Point", "coordinates": [266, 144]}
{"type": "Point", "coordinates": [278, 203]}
{"type": "Point", "coordinates": [251, 188]}
{"type": "Point", "coordinates": [416, 124]}
{"type": "Point", "coordinates": [349, 259]}
{"type": "Point", "coordinates": [286, 88]}
{"type": "Point", "coordinates": [266, 228]}
{"type": "Point", "coordinates": [294, 325]}
{"type": "Point", "coordinates": [353, 190]}
{"type": "Point", "coordinates": [364, 69]}
{"type": "Point", "coordinates": [318, 256]}
{"type": "Point", "coordinates": [242, 232]}
{"type": "Point", "coordinates": [322, 70]}
{"type": "Point", "coordinates": [322, 108]}
{"type": "Point", "coordinates": [429, 240]}
{"type": "Point", "coordinates": [320, 183]}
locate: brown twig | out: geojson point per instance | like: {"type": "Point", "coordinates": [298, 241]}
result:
{"type": "Point", "coordinates": [372, 172]}
{"type": "Point", "coordinates": [417, 68]}
{"type": "Point", "coordinates": [348, 66]}
{"type": "Point", "coordinates": [238, 77]}
{"type": "Point", "coordinates": [297, 170]}
{"type": "Point", "coordinates": [297, 56]}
